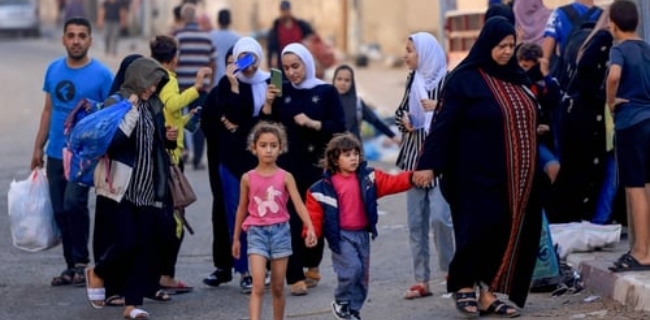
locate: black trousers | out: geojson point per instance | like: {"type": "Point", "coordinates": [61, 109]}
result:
{"type": "Point", "coordinates": [127, 263]}
{"type": "Point", "coordinates": [302, 256]}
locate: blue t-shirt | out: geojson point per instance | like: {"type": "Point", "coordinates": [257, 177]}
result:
{"type": "Point", "coordinates": [559, 25]}
{"type": "Point", "coordinates": [66, 87]}
{"type": "Point", "coordinates": [634, 58]}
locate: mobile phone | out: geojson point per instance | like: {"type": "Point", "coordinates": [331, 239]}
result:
{"type": "Point", "coordinates": [276, 80]}
{"type": "Point", "coordinates": [194, 123]}
{"type": "Point", "coordinates": [244, 62]}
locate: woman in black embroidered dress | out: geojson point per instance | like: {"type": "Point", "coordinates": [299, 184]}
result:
{"type": "Point", "coordinates": [483, 145]}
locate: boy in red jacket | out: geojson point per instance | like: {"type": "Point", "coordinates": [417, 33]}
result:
{"type": "Point", "coordinates": [343, 209]}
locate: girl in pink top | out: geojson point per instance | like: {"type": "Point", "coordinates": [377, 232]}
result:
{"type": "Point", "coordinates": [262, 213]}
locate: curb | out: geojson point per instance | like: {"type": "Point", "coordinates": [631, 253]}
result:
{"type": "Point", "coordinates": [631, 289]}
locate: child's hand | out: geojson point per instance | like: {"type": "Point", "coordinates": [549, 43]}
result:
{"type": "Point", "coordinates": [406, 122]}
{"type": "Point", "coordinates": [236, 249]}
{"type": "Point", "coordinates": [171, 133]}
{"type": "Point", "coordinates": [311, 240]}
{"type": "Point", "coordinates": [543, 128]}
{"type": "Point", "coordinates": [133, 98]}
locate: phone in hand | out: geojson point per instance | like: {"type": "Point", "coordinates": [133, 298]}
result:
{"type": "Point", "coordinates": [194, 123]}
{"type": "Point", "coordinates": [276, 80]}
{"type": "Point", "coordinates": [244, 62]}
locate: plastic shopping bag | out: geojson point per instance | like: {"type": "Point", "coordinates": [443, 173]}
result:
{"type": "Point", "coordinates": [31, 218]}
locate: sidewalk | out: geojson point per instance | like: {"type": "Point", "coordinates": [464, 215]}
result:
{"type": "Point", "coordinates": [383, 88]}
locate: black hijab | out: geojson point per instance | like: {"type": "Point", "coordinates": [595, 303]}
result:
{"type": "Point", "coordinates": [121, 72]}
{"type": "Point", "coordinates": [348, 99]}
{"type": "Point", "coordinates": [480, 56]}
{"type": "Point", "coordinates": [500, 10]}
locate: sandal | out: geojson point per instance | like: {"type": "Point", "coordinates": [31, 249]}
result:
{"type": "Point", "coordinates": [312, 277]}
{"type": "Point", "coordinates": [500, 309]}
{"type": "Point", "coordinates": [160, 295]}
{"type": "Point", "coordinates": [79, 277]}
{"type": "Point", "coordinates": [179, 288]}
{"type": "Point", "coordinates": [115, 300]}
{"type": "Point", "coordinates": [298, 289]}
{"type": "Point", "coordinates": [417, 291]}
{"type": "Point", "coordinates": [464, 301]}
{"type": "Point", "coordinates": [64, 279]}
{"type": "Point", "coordinates": [136, 313]}
{"type": "Point", "coordinates": [96, 296]}
{"type": "Point", "coordinates": [628, 263]}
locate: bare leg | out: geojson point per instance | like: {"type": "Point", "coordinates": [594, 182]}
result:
{"type": "Point", "coordinates": [638, 198]}
{"type": "Point", "coordinates": [257, 266]}
{"type": "Point", "coordinates": [278, 273]}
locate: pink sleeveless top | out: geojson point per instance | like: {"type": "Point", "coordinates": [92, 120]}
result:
{"type": "Point", "coordinates": [267, 199]}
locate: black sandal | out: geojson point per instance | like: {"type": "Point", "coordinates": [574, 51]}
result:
{"type": "Point", "coordinates": [500, 309]}
{"type": "Point", "coordinates": [628, 263]}
{"type": "Point", "coordinates": [66, 278]}
{"type": "Point", "coordinates": [464, 301]}
{"type": "Point", "coordinates": [160, 295]}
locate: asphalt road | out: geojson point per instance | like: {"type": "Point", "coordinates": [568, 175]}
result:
{"type": "Point", "coordinates": [25, 292]}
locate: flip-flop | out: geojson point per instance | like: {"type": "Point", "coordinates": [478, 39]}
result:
{"type": "Point", "coordinates": [94, 295]}
{"type": "Point", "coordinates": [179, 288]}
{"type": "Point", "coordinates": [417, 291]}
{"type": "Point", "coordinates": [115, 300]}
{"type": "Point", "coordinates": [627, 262]}
{"type": "Point", "coordinates": [160, 295]}
{"type": "Point", "coordinates": [137, 314]}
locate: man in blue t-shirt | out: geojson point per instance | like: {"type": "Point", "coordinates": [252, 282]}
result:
{"type": "Point", "coordinates": [559, 26]}
{"type": "Point", "coordinates": [67, 81]}
{"type": "Point", "coordinates": [628, 97]}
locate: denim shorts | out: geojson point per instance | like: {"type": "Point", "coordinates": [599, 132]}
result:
{"type": "Point", "coordinates": [271, 242]}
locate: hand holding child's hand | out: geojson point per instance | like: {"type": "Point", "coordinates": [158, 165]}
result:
{"type": "Point", "coordinates": [311, 240]}
{"type": "Point", "coordinates": [236, 249]}
{"type": "Point", "coordinates": [428, 104]}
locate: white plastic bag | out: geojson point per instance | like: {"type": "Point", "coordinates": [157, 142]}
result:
{"type": "Point", "coordinates": [583, 236]}
{"type": "Point", "coordinates": [31, 217]}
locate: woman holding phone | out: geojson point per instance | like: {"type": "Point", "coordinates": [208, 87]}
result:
{"type": "Point", "coordinates": [234, 105]}
{"type": "Point", "coordinates": [311, 112]}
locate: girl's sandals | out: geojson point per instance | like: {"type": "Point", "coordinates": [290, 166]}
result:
{"type": "Point", "coordinates": [417, 291]}
{"type": "Point", "coordinates": [465, 302]}
{"type": "Point", "coordinates": [500, 309]}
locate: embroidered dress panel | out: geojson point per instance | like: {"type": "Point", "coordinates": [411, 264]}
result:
{"type": "Point", "coordinates": [141, 191]}
{"type": "Point", "coordinates": [520, 118]}
{"type": "Point", "coordinates": [267, 199]}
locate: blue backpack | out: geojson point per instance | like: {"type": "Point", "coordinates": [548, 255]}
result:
{"type": "Point", "coordinates": [90, 129]}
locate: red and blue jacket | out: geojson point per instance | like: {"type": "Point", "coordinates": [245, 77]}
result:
{"type": "Point", "coordinates": [322, 201]}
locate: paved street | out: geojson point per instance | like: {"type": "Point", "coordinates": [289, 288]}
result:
{"type": "Point", "coordinates": [25, 292]}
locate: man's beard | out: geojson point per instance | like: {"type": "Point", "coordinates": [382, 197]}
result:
{"type": "Point", "coordinates": [77, 57]}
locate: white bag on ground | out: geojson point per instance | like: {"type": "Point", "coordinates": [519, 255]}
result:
{"type": "Point", "coordinates": [583, 236]}
{"type": "Point", "coordinates": [31, 218]}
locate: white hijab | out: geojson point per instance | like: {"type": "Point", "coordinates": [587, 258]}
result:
{"type": "Point", "coordinates": [258, 80]}
{"type": "Point", "coordinates": [431, 69]}
{"type": "Point", "coordinates": [301, 51]}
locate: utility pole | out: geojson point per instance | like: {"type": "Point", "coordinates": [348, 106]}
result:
{"type": "Point", "coordinates": [644, 18]}
{"type": "Point", "coordinates": [146, 18]}
{"type": "Point", "coordinates": [445, 6]}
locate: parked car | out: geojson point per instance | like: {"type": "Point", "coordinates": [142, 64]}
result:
{"type": "Point", "coordinates": [20, 17]}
